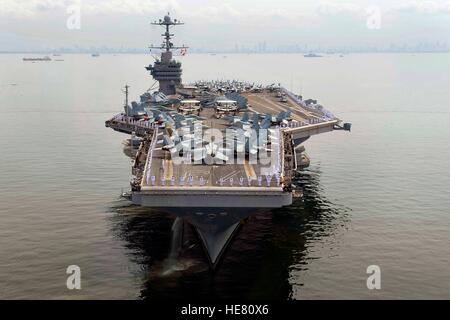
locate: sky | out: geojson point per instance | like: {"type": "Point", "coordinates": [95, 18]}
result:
{"type": "Point", "coordinates": [222, 24]}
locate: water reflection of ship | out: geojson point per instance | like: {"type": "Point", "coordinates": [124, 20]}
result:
{"type": "Point", "coordinates": [260, 262]}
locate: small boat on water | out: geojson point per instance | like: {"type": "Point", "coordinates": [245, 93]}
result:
{"type": "Point", "coordinates": [46, 58]}
{"type": "Point", "coordinates": [312, 55]}
{"type": "Point", "coordinates": [95, 55]}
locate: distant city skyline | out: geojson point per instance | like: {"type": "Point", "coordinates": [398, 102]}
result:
{"type": "Point", "coordinates": [226, 25]}
{"type": "Point", "coordinates": [258, 48]}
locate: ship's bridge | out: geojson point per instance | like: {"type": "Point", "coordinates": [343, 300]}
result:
{"type": "Point", "coordinates": [166, 71]}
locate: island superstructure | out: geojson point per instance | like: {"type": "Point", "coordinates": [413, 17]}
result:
{"type": "Point", "coordinates": [215, 152]}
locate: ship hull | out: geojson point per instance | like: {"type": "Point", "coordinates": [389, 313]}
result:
{"type": "Point", "coordinates": [214, 225]}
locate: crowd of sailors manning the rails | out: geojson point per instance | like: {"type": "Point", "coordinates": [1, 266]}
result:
{"type": "Point", "coordinates": [267, 181]}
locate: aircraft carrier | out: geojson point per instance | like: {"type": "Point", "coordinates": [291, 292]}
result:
{"type": "Point", "coordinates": [212, 153]}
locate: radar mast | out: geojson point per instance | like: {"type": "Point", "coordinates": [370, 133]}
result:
{"type": "Point", "coordinates": [167, 71]}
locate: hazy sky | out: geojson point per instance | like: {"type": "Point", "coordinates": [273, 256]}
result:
{"type": "Point", "coordinates": [38, 24]}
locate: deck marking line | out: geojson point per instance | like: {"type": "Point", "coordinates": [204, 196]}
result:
{"type": "Point", "coordinates": [249, 171]}
{"type": "Point", "coordinates": [168, 169]}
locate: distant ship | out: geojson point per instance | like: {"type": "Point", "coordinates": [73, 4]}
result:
{"type": "Point", "coordinates": [46, 58]}
{"type": "Point", "coordinates": [95, 55]}
{"type": "Point", "coordinates": [312, 55]}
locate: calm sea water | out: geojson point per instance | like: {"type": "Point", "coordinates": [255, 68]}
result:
{"type": "Point", "coordinates": [377, 196]}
